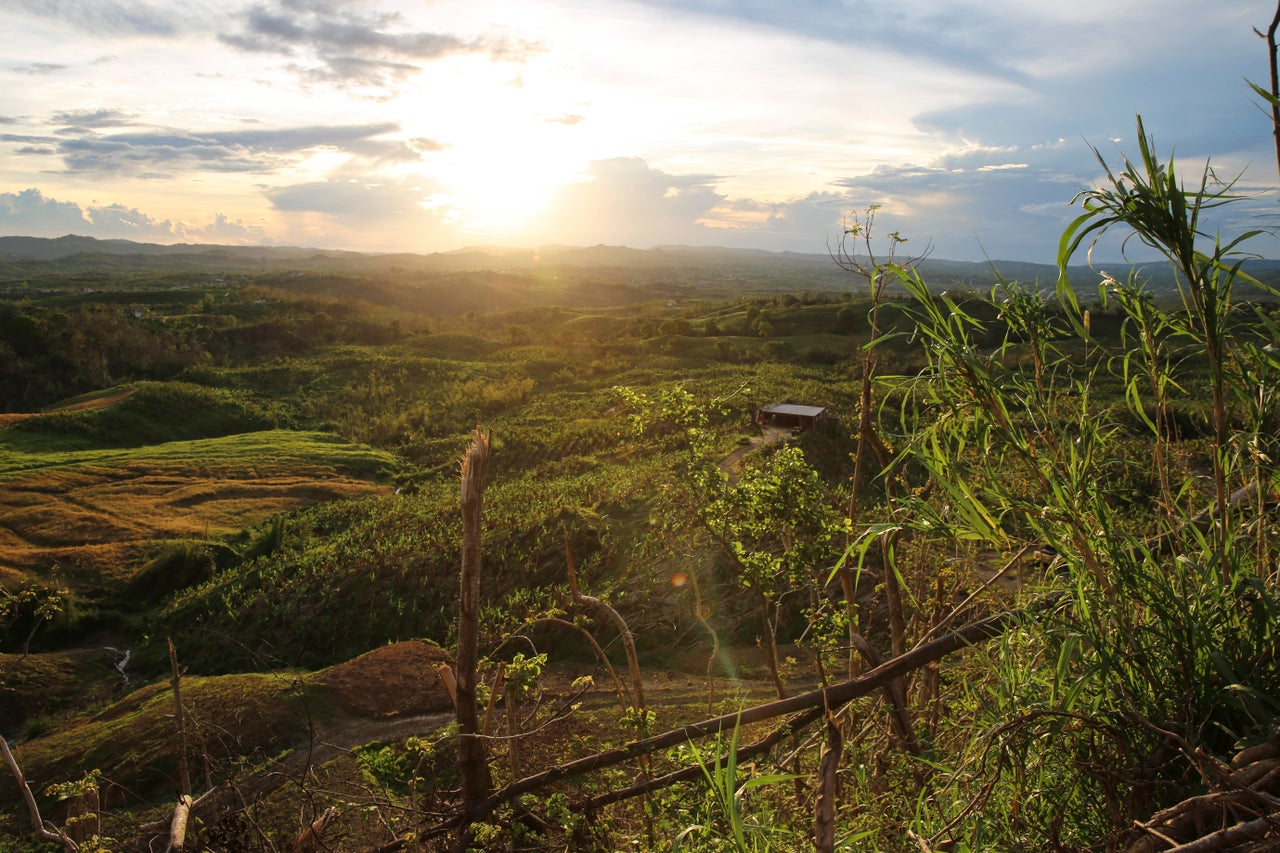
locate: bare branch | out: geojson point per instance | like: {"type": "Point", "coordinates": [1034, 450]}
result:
{"type": "Point", "coordinates": [41, 831]}
{"type": "Point", "coordinates": [833, 696]}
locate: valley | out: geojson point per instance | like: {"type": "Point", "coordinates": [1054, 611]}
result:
{"type": "Point", "coordinates": [250, 476]}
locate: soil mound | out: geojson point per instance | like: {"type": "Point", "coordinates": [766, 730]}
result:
{"type": "Point", "coordinates": [397, 680]}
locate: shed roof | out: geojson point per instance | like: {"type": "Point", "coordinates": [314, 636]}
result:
{"type": "Point", "coordinates": [793, 409]}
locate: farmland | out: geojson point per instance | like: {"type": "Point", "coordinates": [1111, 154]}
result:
{"type": "Point", "coordinates": [253, 471]}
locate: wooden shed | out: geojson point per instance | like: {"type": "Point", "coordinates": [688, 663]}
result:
{"type": "Point", "coordinates": [792, 415]}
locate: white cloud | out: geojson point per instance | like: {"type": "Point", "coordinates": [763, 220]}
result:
{"type": "Point", "coordinates": [33, 214]}
{"type": "Point", "coordinates": [738, 122]}
{"type": "Point", "coordinates": [627, 201]}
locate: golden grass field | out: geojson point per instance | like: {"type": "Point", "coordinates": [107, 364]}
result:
{"type": "Point", "coordinates": [95, 521]}
{"type": "Point", "coordinates": [93, 516]}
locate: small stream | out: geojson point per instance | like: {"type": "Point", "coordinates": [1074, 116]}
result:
{"type": "Point", "coordinates": [121, 661]}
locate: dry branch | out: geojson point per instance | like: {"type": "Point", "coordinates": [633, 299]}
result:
{"type": "Point", "coordinates": [698, 771]}
{"type": "Point", "coordinates": [37, 825]}
{"type": "Point", "coordinates": [600, 655]}
{"type": "Point", "coordinates": [310, 838]}
{"type": "Point", "coordinates": [1219, 819]}
{"type": "Point", "coordinates": [1224, 839]}
{"type": "Point", "coordinates": [628, 640]}
{"type": "Point", "coordinates": [175, 679]}
{"type": "Point", "coordinates": [1205, 519]}
{"type": "Point", "coordinates": [828, 697]}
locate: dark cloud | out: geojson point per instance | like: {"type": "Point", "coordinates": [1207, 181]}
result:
{"type": "Point", "coordinates": [8, 120]}
{"type": "Point", "coordinates": [128, 17]}
{"type": "Point", "coordinates": [335, 32]}
{"type": "Point", "coordinates": [357, 72]}
{"type": "Point", "coordinates": [93, 118]}
{"type": "Point", "coordinates": [36, 69]}
{"type": "Point", "coordinates": [340, 43]}
{"type": "Point", "coordinates": [247, 150]}
{"type": "Point", "coordinates": [35, 140]}
{"type": "Point", "coordinates": [36, 149]}
{"type": "Point", "coordinates": [223, 229]}
{"type": "Point", "coordinates": [806, 224]}
{"type": "Point", "coordinates": [375, 215]}
{"type": "Point", "coordinates": [31, 213]}
{"type": "Point", "coordinates": [629, 202]}
{"type": "Point", "coordinates": [966, 36]}
{"type": "Point", "coordinates": [1007, 205]}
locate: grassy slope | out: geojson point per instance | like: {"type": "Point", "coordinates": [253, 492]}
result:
{"type": "Point", "coordinates": [201, 463]}
{"type": "Point", "coordinates": [85, 494]}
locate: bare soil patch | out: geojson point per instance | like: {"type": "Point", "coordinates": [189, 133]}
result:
{"type": "Point", "coordinates": [391, 681]}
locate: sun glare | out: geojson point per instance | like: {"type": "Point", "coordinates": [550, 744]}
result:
{"type": "Point", "coordinates": [507, 149]}
{"type": "Point", "coordinates": [502, 190]}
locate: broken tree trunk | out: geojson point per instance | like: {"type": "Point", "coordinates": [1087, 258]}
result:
{"type": "Point", "coordinates": [824, 823]}
{"type": "Point", "coordinates": [178, 825]}
{"type": "Point", "coordinates": [473, 765]}
{"type": "Point", "coordinates": [310, 839]}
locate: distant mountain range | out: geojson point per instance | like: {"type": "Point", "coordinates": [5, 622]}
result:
{"type": "Point", "coordinates": [716, 269]}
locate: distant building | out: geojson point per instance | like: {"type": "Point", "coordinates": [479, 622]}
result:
{"type": "Point", "coordinates": [792, 415]}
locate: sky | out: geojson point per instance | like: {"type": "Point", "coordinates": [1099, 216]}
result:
{"type": "Point", "coordinates": [432, 125]}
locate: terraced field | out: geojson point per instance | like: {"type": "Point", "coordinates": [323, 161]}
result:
{"type": "Point", "coordinates": [89, 513]}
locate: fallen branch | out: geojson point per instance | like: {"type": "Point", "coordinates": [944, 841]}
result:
{"type": "Point", "coordinates": [1225, 838]}
{"type": "Point", "coordinates": [698, 771]}
{"type": "Point", "coordinates": [178, 826]}
{"type": "Point", "coordinates": [1204, 520]}
{"type": "Point", "coordinates": [197, 805]}
{"type": "Point", "coordinates": [43, 832]}
{"type": "Point", "coordinates": [832, 696]}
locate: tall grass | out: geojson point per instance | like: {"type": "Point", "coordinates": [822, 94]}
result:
{"type": "Point", "coordinates": [1160, 647]}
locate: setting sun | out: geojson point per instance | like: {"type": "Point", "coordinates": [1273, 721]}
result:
{"type": "Point", "coordinates": [509, 150]}
{"type": "Point", "coordinates": [508, 186]}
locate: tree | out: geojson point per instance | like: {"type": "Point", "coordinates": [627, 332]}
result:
{"type": "Point", "coordinates": [783, 536]}
{"type": "Point", "coordinates": [1272, 95]}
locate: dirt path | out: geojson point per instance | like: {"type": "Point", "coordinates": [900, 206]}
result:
{"type": "Point", "coordinates": [771, 435]}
